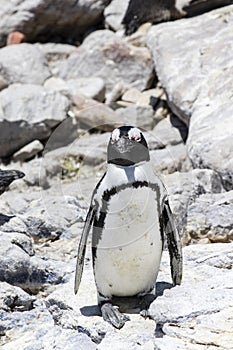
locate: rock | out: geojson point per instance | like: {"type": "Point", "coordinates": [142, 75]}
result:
{"type": "Point", "coordinates": [164, 134]}
{"type": "Point", "coordinates": [90, 87]}
{"type": "Point", "coordinates": [55, 51]}
{"type": "Point", "coordinates": [30, 115]}
{"type": "Point", "coordinates": [141, 116]}
{"type": "Point", "coordinates": [23, 63]}
{"type": "Point", "coordinates": [114, 13]}
{"type": "Point", "coordinates": [7, 177]}
{"type": "Point", "coordinates": [184, 188]}
{"type": "Point", "coordinates": [105, 55]}
{"type": "Point", "coordinates": [197, 92]}
{"type": "Point", "coordinates": [93, 114]}
{"type": "Point", "coordinates": [210, 217]}
{"type": "Point", "coordinates": [189, 317]}
{"type": "Point", "coordinates": [28, 151]}
{"type": "Point", "coordinates": [170, 159]}
{"type": "Point", "coordinates": [14, 298]}
{"type": "Point", "coordinates": [157, 11]}
{"type": "Point", "coordinates": [42, 20]}
{"type": "Point", "coordinates": [3, 83]}
{"type": "Point", "coordinates": [19, 267]}
{"type": "Point", "coordinates": [14, 38]}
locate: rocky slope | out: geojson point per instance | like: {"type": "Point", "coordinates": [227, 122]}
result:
{"type": "Point", "coordinates": [58, 104]}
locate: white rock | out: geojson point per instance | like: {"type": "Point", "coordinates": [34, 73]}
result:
{"type": "Point", "coordinates": [28, 151]}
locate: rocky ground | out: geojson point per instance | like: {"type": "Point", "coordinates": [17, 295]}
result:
{"type": "Point", "coordinates": [58, 104]}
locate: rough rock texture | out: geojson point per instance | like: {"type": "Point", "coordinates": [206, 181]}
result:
{"type": "Point", "coordinates": [114, 13]}
{"type": "Point", "coordinates": [66, 320]}
{"type": "Point", "coordinates": [42, 18]}
{"type": "Point", "coordinates": [23, 63]}
{"type": "Point", "coordinates": [28, 151]}
{"type": "Point", "coordinates": [198, 85]}
{"type": "Point", "coordinates": [189, 318]}
{"type": "Point", "coordinates": [30, 115]}
{"type": "Point", "coordinates": [103, 54]}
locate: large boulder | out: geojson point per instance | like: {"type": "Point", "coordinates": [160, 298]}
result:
{"type": "Point", "coordinates": [104, 54]}
{"type": "Point", "coordinates": [23, 63]}
{"type": "Point", "coordinates": [195, 68]}
{"type": "Point", "coordinates": [42, 19]}
{"type": "Point", "coordinates": [28, 112]}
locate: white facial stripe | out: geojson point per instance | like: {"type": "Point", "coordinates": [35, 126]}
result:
{"type": "Point", "coordinates": [115, 135]}
{"type": "Point", "coordinates": [134, 134]}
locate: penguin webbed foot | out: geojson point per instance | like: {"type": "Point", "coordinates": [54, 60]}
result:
{"type": "Point", "coordinates": [145, 302]}
{"type": "Point", "coordinates": [112, 315]}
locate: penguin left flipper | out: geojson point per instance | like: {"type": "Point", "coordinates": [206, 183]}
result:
{"type": "Point", "coordinates": [112, 315]}
{"type": "Point", "coordinates": [82, 248]}
{"type": "Point", "coordinates": [173, 243]}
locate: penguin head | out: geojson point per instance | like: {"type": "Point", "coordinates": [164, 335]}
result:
{"type": "Point", "coordinates": [127, 146]}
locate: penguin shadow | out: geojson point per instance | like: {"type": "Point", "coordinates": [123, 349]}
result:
{"type": "Point", "coordinates": [5, 218]}
{"type": "Point", "coordinates": [130, 305]}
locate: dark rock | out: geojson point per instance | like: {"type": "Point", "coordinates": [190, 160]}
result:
{"type": "Point", "coordinates": [7, 177]}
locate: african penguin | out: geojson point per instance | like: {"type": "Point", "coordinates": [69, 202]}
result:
{"type": "Point", "coordinates": [130, 218]}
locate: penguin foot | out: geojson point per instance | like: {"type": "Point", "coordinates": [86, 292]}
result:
{"type": "Point", "coordinates": [146, 300]}
{"type": "Point", "coordinates": [112, 315]}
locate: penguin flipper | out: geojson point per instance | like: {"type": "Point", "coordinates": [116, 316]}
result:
{"type": "Point", "coordinates": [173, 243]}
{"type": "Point", "coordinates": [82, 248]}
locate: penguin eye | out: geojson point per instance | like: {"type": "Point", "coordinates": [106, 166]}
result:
{"type": "Point", "coordinates": [115, 136]}
{"type": "Point", "coordinates": [136, 138]}
{"type": "Point", "coordinates": [135, 134]}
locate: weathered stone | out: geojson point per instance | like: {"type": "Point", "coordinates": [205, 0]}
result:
{"type": "Point", "coordinates": [90, 87]}
{"type": "Point", "coordinates": [19, 268]}
{"type": "Point", "coordinates": [164, 134]}
{"type": "Point", "coordinates": [93, 114]}
{"type": "Point", "coordinates": [14, 38]}
{"type": "Point", "coordinates": [103, 54]}
{"type": "Point", "coordinates": [28, 151]}
{"type": "Point", "coordinates": [114, 13]}
{"type": "Point", "coordinates": [198, 86]}
{"type": "Point", "coordinates": [55, 51]}
{"type": "Point", "coordinates": [210, 217]}
{"type": "Point", "coordinates": [187, 314]}
{"type": "Point", "coordinates": [184, 188]}
{"type": "Point", "coordinates": [14, 298]}
{"type": "Point", "coordinates": [30, 114]}
{"type": "Point", "coordinates": [159, 11]}
{"type": "Point", "coordinates": [23, 63]}
{"type": "Point", "coordinates": [44, 20]}
{"type": "Point", "coordinates": [141, 116]}
{"type": "Point", "coordinates": [170, 159]}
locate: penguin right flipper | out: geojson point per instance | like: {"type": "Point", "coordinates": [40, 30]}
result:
{"type": "Point", "coordinates": [112, 315]}
{"type": "Point", "coordinates": [82, 248]}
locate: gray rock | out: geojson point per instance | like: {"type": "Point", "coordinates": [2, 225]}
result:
{"type": "Point", "coordinates": [28, 112]}
{"type": "Point", "coordinates": [189, 314]}
{"type": "Point", "coordinates": [56, 51]}
{"type": "Point", "coordinates": [28, 151]}
{"type": "Point", "coordinates": [14, 298]}
{"type": "Point", "coordinates": [93, 114]}
{"type": "Point", "coordinates": [114, 13]}
{"type": "Point", "coordinates": [184, 188]}
{"type": "Point", "coordinates": [196, 91]}
{"type": "Point", "coordinates": [23, 63]}
{"type": "Point", "coordinates": [103, 54]}
{"type": "Point", "coordinates": [89, 87]}
{"type": "Point", "coordinates": [210, 217]}
{"type": "Point", "coordinates": [141, 116]}
{"type": "Point", "coordinates": [163, 134]}
{"type": "Point", "coordinates": [170, 159]}
{"type": "Point", "coordinates": [42, 19]}
{"type": "Point", "coordinates": [18, 267]}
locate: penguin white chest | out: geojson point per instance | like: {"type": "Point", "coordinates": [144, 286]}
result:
{"type": "Point", "coordinates": [129, 248]}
